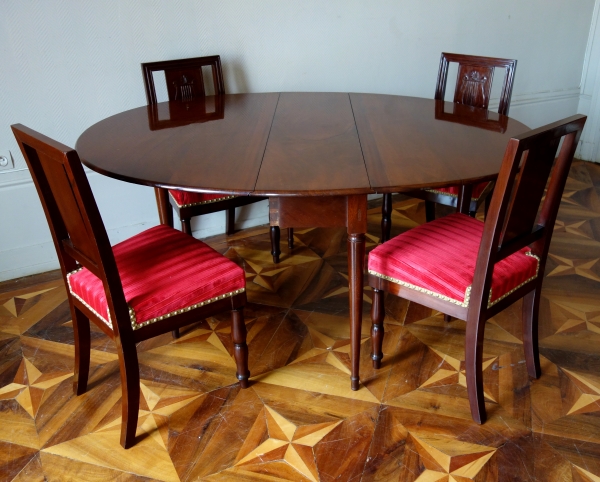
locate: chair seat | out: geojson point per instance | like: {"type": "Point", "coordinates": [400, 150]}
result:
{"type": "Point", "coordinates": [162, 271]}
{"type": "Point", "coordinates": [185, 199]}
{"type": "Point", "coordinates": [454, 190]}
{"type": "Point", "coordinates": [438, 258]}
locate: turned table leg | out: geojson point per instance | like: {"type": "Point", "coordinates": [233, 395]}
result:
{"type": "Point", "coordinates": [356, 256]}
{"type": "Point", "coordinates": [356, 223]}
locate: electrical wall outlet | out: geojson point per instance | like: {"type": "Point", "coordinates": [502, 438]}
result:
{"type": "Point", "coordinates": [6, 161]}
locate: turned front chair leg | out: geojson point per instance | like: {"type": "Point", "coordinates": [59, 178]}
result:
{"type": "Point", "coordinates": [240, 348]}
{"type": "Point", "coordinates": [81, 331]}
{"type": "Point", "coordinates": [291, 238]}
{"type": "Point", "coordinates": [531, 306]}
{"type": "Point", "coordinates": [386, 217]}
{"type": "Point", "coordinates": [175, 333]}
{"type": "Point", "coordinates": [377, 330]}
{"type": "Point", "coordinates": [275, 249]}
{"type": "Point", "coordinates": [447, 318]}
{"type": "Point", "coordinates": [230, 221]}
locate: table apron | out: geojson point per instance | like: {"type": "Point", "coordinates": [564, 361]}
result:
{"type": "Point", "coordinates": [320, 212]}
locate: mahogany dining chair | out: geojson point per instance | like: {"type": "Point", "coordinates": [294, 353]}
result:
{"type": "Point", "coordinates": [185, 81]}
{"type": "Point", "coordinates": [473, 270]}
{"type": "Point", "coordinates": [473, 87]}
{"type": "Point", "coordinates": [147, 285]}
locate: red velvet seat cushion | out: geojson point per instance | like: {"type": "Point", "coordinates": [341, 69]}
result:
{"type": "Point", "coordinates": [186, 198]}
{"type": "Point", "coordinates": [162, 270]}
{"type": "Point", "coordinates": [453, 190]}
{"type": "Point", "coordinates": [439, 258]}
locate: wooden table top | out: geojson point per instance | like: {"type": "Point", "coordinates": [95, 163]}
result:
{"type": "Point", "coordinates": [303, 144]}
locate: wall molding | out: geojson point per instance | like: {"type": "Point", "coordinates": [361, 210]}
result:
{"type": "Point", "coordinates": [21, 177]}
{"type": "Point", "coordinates": [15, 178]}
{"type": "Point", "coordinates": [541, 97]}
{"type": "Point", "coordinates": [536, 98]}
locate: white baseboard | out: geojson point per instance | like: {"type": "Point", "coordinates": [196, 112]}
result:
{"type": "Point", "coordinates": [28, 260]}
{"type": "Point", "coordinates": [41, 257]}
{"type": "Point", "coordinates": [38, 258]}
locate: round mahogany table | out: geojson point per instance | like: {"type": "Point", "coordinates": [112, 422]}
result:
{"type": "Point", "coordinates": [316, 155]}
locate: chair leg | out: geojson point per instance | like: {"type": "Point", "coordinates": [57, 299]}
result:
{"type": "Point", "coordinates": [130, 389]}
{"type": "Point", "coordinates": [240, 348]}
{"type": "Point", "coordinates": [429, 211]}
{"type": "Point", "coordinates": [186, 226]}
{"type": "Point", "coordinates": [386, 217]}
{"type": "Point", "coordinates": [447, 318]}
{"type": "Point", "coordinates": [377, 330]}
{"type": "Point", "coordinates": [275, 249]}
{"type": "Point", "coordinates": [531, 307]}
{"type": "Point", "coordinates": [175, 333]}
{"type": "Point", "coordinates": [474, 370]}
{"type": "Point", "coordinates": [81, 331]}
{"type": "Point", "coordinates": [230, 222]}
{"type": "Point", "coordinates": [291, 238]}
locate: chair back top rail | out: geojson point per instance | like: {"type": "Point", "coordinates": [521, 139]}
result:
{"type": "Point", "coordinates": [474, 80]}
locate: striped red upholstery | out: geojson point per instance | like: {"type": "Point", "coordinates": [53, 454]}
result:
{"type": "Point", "coordinates": [440, 257]}
{"type": "Point", "coordinates": [183, 198]}
{"type": "Point", "coordinates": [453, 190]}
{"type": "Point", "coordinates": [162, 270]}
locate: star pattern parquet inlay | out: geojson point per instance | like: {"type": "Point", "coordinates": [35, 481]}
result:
{"type": "Point", "coordinates": [299, 420]}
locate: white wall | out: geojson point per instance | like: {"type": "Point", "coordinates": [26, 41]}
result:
{"type": "Point", "coordinates": [66, 64]}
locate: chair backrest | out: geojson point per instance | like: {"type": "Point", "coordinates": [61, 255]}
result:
{"type": "Point", "coordinates": [524, 204]}
{"type": "Point", "coordinates": [184, 77]}
{"type": "Point", "coordinates": [474, 80]}
{"type": "Point", "coordinates": [77, 229]}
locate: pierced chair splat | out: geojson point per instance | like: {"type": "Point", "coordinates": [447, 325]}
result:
{"type": "Point", "coordinates": [473, 270]}
{"type": "Point", "coordinates": [156, 281]}
{"type": "Point", "coordinates": [473, 87]}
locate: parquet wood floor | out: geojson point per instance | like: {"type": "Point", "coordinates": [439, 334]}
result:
{"type": "Point", "coordinates": [299, 420]}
